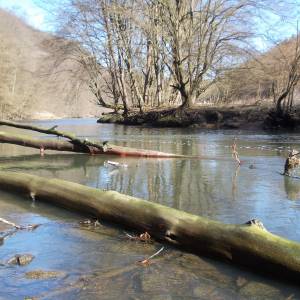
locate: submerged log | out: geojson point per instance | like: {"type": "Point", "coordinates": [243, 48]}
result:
{"type": "Point", "coordinates": [68, 145]}
{"type": "Point", "coordinates": [248, 244]}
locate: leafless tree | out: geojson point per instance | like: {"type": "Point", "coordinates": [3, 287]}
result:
{"type": "Point", "coordinates": [200, 39]}
{"type": "Point", "coordinates": [283, 86]}
{"type": "Point", "coordinates": [146, 53]}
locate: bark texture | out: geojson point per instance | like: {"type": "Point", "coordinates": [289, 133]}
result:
{"type": "Point", "coordinates": [248, 244]}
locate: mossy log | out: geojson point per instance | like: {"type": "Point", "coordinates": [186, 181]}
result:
{"type": "Point", "coordinates": [248, 244]}
{"type": "Point", "coordinates": [68, 145]}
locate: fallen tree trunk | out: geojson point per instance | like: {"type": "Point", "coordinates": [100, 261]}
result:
{"type": "Point", "coordinates": [72, 143]}
{"type": "Point", "coordinates": [65, 145]}
{"type": "Point", "coordinates": [247, 244]}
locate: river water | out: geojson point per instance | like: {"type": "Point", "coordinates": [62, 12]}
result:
{"type": "Point", "coordinates": [100, 262]}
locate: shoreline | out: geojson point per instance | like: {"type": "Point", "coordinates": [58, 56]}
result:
{"type": "Point", "coordinates": [251, 117]}
{"type": "Point", "coordinates": [246, 117]}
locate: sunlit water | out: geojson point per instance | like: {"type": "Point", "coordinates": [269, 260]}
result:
{"type": "Point", "coordinates": [101, 263]}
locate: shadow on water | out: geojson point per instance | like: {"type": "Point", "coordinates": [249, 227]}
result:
{"type": "Point", "coordinates": [101, 263]}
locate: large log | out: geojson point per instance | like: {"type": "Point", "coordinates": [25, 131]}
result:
{"type": "Point", "coordinates": [73, 143]}
{"type": "Point", "coordinates": [245, 244]}
{"type": "Point", "coordinates": [65, 145]}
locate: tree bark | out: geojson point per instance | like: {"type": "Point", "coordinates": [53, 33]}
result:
{"type": "Point", "coordinates": [73, 143]}
{"type": "Point", "coordinates": [245, 244]}
{"type": "Point", "coordinates": [60, 145]}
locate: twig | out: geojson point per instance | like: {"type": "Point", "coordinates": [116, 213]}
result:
{"type": "Point", "coordinates": [89, 223]}
{"type": "Point", "coordinates": [28, 227]}
{"type": "Point", "coordinates": [130, 236]}
{"type": "Point", "coordinates": [10, 223]}
{"type": "Point", "coordinates": [115, 164]}
{"type": "Point", "coordinates": [295, 154]}
{"type": "Point", "coordinates": [235, 154]}
{"type": "Point", "coordinates": [73, 139]}
{"type": "Point", "coordinates": [147, 260]}
{"type": "Point", "coordinates": [143, 237]}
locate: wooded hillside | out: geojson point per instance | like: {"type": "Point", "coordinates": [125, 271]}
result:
{"type": "Point", "coordinates": [28, 87]}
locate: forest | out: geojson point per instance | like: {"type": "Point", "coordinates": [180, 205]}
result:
{"type": "Point", "coordinates": [142, 55]}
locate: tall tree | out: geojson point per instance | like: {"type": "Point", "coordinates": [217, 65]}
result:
{"type": "Point", "coordinates": [138, 53]}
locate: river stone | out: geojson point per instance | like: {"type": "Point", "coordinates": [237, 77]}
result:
{"type": "Point", "coordinates": [211, 292]}
{"type": "Point", "coordinates": [259, 291]}
{"type": "Point", "coordinates": [21, 259]}
{"type": "Point", "coordinates": [41, 274]}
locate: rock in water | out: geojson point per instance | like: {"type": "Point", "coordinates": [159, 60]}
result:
{"type": "Point", "coordinates": [21, 259]}
{"type": "Point", "coordinates": [40, 274]}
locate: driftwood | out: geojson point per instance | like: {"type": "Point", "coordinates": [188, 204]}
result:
{"type": "Point", "coordinates": [72, 144]}
{"type": "Point", "coordinates": [248, 244]}
{"type": "Point", "coordinates": [291, 162]}
{"type": "Point", "coordinates": [60, 145]}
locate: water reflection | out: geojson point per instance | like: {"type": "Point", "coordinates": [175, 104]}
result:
{"type": "Point", "coordinates": [292, 188]}
{"type": "Point", "coordinates": [211, 187]}
{"type": "Point", "coordinates": [234, 182]}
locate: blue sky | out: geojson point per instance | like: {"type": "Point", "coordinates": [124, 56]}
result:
{"type": "Point", "coordinates": [30, 10]}
{"type": "Point", "coordinates": [35, 15]}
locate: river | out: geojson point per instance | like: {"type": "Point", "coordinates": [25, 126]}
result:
{"type": "Point", "coordinates": [100, 262]}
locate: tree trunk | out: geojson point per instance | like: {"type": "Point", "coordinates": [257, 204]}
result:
{"type": "Point", "coordinates": [184, 97]}
{"type": "Point", "coordinates": [73, 143]}
{"type": "Point", "coordinates": [248, 244]}
{"type": "Point", "coordinates": [60, 145]}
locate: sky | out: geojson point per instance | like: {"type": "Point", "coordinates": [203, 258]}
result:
{"type": "Point", "coordinates": [30, 10]}
{"type": "Point", "coordinates": [35, 15]}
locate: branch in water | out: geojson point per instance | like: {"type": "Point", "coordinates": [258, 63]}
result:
{"type": "Point", "coordinates": [235, 153]}
{"type": "Point", "coordinates": [147, 260]}
{"type": "Point", "coordinates": [28, 227]}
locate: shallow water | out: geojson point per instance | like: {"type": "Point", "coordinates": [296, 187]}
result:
{"type": "Point", "coordinates": [101, 263]}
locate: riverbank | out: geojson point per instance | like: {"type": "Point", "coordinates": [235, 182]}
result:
{"type": "Point", "coordinates": [226, 117]}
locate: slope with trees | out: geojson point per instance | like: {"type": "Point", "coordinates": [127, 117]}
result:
{"type": "Point", "coordinates": [28, 85]}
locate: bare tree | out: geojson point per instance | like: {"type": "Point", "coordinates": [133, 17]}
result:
{"type": "Point", "coordinates": [151, 53]}
{"type": "Point", "coordinates": [200, 38]}
{"type": "Point", "coordinates": [283, 86]}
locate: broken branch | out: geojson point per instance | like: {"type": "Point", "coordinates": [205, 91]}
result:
{"type": "Point", "coordinates": [235, 153]}
{"type": "Point", "coordinates": [75, 144]}
{"type": "Point", "coordinates": [28, 227]}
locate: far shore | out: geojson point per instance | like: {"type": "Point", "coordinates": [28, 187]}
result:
{"type": "Point", "coordinates": [247, 117]}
